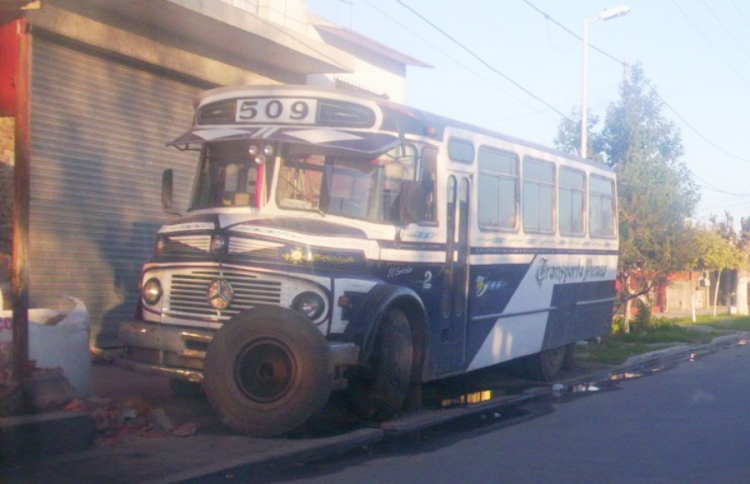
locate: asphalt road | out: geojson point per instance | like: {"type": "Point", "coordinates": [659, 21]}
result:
{"type": "Point", "coordinates": [687, 424]}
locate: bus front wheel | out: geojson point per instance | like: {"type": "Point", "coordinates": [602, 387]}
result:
{"type": "Point", "coordinates": [267, 372]}
{"type": "Point", "coordinates": [378, 392]}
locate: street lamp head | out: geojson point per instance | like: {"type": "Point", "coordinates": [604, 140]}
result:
{"type": "Point", "coordinates": [608, 14]}
{"type": "Point", "coordinates": [613, 12]}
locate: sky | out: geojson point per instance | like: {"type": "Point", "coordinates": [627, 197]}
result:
{"type": "Point", "coordinates": [503, 65]}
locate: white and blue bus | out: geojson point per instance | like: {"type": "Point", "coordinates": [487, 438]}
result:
{"type": "Point", "coordinates": [339, 241]}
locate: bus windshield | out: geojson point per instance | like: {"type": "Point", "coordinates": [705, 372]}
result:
{"type": "Point", "coordinates": [313, 178]}
{"type": "Point", "coordinates": [345, 184]}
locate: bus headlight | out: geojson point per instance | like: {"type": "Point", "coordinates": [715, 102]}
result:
{"type": "Point", "coordinates": [309, 304]}
{"type": "Point", "coordinates": [152, 291]}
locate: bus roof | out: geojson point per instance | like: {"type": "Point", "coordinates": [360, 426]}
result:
{"type": "Point", "coordinates": [398, 118]}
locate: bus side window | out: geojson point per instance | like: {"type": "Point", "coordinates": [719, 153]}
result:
{"type": "Point", "coordinates": [538, 196]}
{"type": "Point", "coordinates": [414, 201]}
{"type": "Point", "coordinates": [571, 201]}
{"type": "Point", "coordinates": [498, 189]}
{"type": "Point", "coordinates": [602, 207]}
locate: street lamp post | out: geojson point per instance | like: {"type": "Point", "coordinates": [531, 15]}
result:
{"type": "Point", "coordinates": [604, 15]}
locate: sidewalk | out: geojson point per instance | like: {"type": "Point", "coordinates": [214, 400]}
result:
{"type": "Point", "coordinates": [142, 453]}
{"type": "Point", "coordinates": [136, 451]}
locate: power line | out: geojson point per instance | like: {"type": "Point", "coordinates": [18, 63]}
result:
{"type": "Point", "coordinates": [718, 190]}
{"type": "Point", "coordinates": [708, 41]}
{"type": "Point", "coordinates": [709, 186]}
{"type": "Point", "coordinates": [740, 12]}
{"type": "Point", "coordinates": [645, 81]}
{"type": "Point", "coordinates": [729, 33]}
{"type": "Point", "coordinates": [485, 63]}
{"type": "Point", "coordinates": [464, 66]}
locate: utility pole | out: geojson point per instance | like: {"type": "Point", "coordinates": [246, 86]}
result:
{"type": "Point", "coordinates": [16, 101]}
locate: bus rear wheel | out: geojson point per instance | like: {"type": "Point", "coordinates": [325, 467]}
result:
{"type": "Point", "coordinates": [378, 392]}
{"type": "Point", "coordinates": [545, 365]}
{"type": "Point", "coordinates": [267, 372]}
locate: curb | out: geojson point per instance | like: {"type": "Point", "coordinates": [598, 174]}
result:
{"type": "Point", "coordinates": [329, 446]}
{"type": "Point", "coordinates": [28, 437]}
{"type": "Point", "coordinates": [677, 352]}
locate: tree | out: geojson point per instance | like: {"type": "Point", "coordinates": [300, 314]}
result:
{"type": "Point", "coordinates": [739, 259]}
{"type": "Point", "coordinates": [656, 192]}
{"type": "Point", "coordinates": [714, 252]}
{"type": "Point", "coordinates": [743, 275]}
{"type": "Point", "coordinates": [744, 236]}
{"type": "Point", "coordinates": [569, 136]}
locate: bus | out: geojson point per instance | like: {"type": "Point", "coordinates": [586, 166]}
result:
{"type": "Point", "coordinates": [337, 241]}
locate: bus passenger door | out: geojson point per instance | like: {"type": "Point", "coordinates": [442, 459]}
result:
{"type": "Point", "coordinates": [454, 298]}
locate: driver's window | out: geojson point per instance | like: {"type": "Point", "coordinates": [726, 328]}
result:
{"type": "Point", "coordinates": [416, 200]}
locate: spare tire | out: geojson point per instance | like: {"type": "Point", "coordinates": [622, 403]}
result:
{"type": "Point", "coordinates": [267, 371]}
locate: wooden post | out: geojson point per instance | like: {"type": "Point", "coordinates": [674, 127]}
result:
{"type": "Point", "coordinates": [21, 187]}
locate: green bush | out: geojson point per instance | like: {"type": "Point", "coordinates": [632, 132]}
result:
{"type": "Point", "coordinates": [642, 321]}
{"type": "Point", "coordinates": [662, 323]}
{"type": "Point", "coordinates": [618, 325]}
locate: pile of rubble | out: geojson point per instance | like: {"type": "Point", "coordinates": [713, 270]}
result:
{"type": "Point", "coordinates": [49, 391]}
{"type": "Point", "coordinates": [133, 416]}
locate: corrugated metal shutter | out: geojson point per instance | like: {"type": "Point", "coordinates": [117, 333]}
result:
{"type": "Point", "coordinates": [99, 129]}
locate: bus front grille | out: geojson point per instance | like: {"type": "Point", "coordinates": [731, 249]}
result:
{"type": "Point", "coordinates": [188, 292]}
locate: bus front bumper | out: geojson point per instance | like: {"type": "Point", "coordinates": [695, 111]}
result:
{"type": "Point", "coordinates": [180, 352]}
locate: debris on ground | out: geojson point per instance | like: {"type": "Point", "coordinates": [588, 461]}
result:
{"type": "Point", "coordinates": [131, 416]}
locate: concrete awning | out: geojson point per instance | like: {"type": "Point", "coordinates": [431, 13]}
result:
{"type": "Point", "coordinates": [216, 30]}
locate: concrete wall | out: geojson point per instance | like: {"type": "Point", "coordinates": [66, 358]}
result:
{"type": "Point", "coordinates": [680, 293]}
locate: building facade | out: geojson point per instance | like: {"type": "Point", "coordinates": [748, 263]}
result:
{"type": "Point", "coordinates": [112, 82]}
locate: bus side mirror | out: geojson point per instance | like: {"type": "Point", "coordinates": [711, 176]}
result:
{"type": "Point", "coordinates": [167, 184]}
